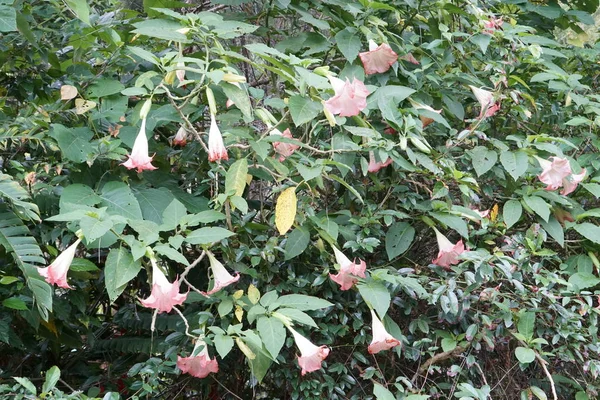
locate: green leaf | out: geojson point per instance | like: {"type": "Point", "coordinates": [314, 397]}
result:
{"type": "Point", "coordinates": [223, 344]}
{"type": "Point", "coordinates": [118, 271]}
{"type": "Point", "coordinates": [511, 212]}
{"type": "Point", "coordinates": [348, 42]}
{"type": "Point", "coordinates": [524, 355]}
{"type": "Point", "coordinates": [376, 295]}
{"type": "Point", "coordinates": [526, 324]}
{"type": "Point", "coordinates": [398, 239]}
{"type": "Point", "coordinates": [104, 87]}
{"type": "Point", "coordinates": [153, 203]}
{"type": "Point", "coordinates": [381, 393]}
{"type": "Point", "coordinates": [83, 265]}
{"type": "Point", "coordinates": [239, 97]}
{"type": "Point", "coordinates": [347, 186]}
{"type": "Point", "coordinates": [144, 55]}
{"type": "Point", "coordinates": [483, 159]}
{"type": "Point", "coordinates": [303, 302]}
{"type": "Point", "coordinates": [81, 9]}
{"type": "Point", "coordinates": [119, 200]}
{"type": "Point", "coordinates": [515, 163]}
{"type": "Point", "coordinates": [453, 221]}
{"type": "Point", "coordinates": [539, 393]}
{"type": "Point", "coordinates": [538, 205]}
{"type": "Point", "coordinates": [147, 230]}
{"type": "Point", "coordinates": [298, 316]}
{"type": "Point", "coordinates": [26, 383]}
{"type": "Point", "coordinates": [303, 110]}
{"type": "Point", "coordinates": [309, 173]}
{"type": "Point", "coordinates": [93, 228]}
{"type": "Point", "coordinates": [171, 253]}
{"type": "Point", "coordinates": [171, 216]}
{"type": "Point", "coordinates": [593, 188]}
{"type": "Point", "coordinates": [482, 40]}
{"type": "Point", "coordinates": [589, 231]}
{"type": "Point", "coordinates": [296, 243]}
{"type": "Point", "coordinates": [74, 143]}
{"type": "Point", "coordinates": [583, 280]}
{"type": "Point", "coordinates": [8, 18]}
{"type": "Point", "coordinates": [161, 29]}
{"type": "Point", "coordinates": [208, 235]}
{"type": "Point", "coordinates": [235, 179]}
{"type": "Point", "coordinates": [203, 217]}
{"type": "Point", "coordinates": [272, 333]}
{"type": "Point", "coordinates": [52, 377]}
{"type": "Point", "coordinates": [555, 229]}
{"type": "Point", "coordinates": [14, 303]}
{"type": "Point", "coordinates": [448, 344]}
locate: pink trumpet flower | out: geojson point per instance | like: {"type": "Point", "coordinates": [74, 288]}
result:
{"type": "Point", "coordinates": [180, 138]}
{"type": "Point", "coordinates": [199, 366]}
{"type": "Point", "coordinates": [489, 107]}
{"type": "Point", "coordinates": [164, 294]}
{"type": "Point", "coordinates": [349, 271]}
{"type": "Point", "coordinates": [221, 277]}
{"type": "Point", "coordinates": [375, 165]}
{"type": "Point", "coordinates": [216, 147]}
{"type": "Point", "coordinates": [139, 157]}
{"type": "Point", "coordinates": [350, 97]}
{"type": "Point", "coordinates": [378, 59]}
{"type": "Point", "coordinates": [56, 273]}
{"type": "Point", "coordinates": [284, 149]}
{"type": "Point", "coordinates": [382, 340]}
{"type": "Point", "coordinates": [557, 173]}
{"type": "Point", "coordinates": [448, 252]}
{"type": "Point", "coordinates": [311, 355]}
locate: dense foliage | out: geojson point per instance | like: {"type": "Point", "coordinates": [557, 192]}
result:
{"type": "Point", "coordinates": [300, 199]}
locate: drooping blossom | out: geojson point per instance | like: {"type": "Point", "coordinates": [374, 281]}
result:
{"type": "Point", "coordinates": [375, 165]}
{"type": "Point", "coordinates": [410, 58]}
{"type": "Point", "coordinates": [557, 173]}
{"type": "Point", "coordinates": [139, 157]}
{"type": "Point", "coordinates": [486, 100]}
{"type": "Point", "coordinates": [492, 25]}
{"type": "Point", "coordinates": [56, 273]}
{"type": "Point", "coordinates": [221, 277]}
{"type": "Point", "coordinates": [284, 149]}
{"type": "Point", "coordinates": [180, 71]}
{"type": "Point", "coordinates": [382, 340]}
{"type": "Point", "coordinates": [350, 97]}
{"type": "Point", "coordinates": [311, 356]}
{"type": "Point", "coordinates": [349, 271]}
{"type": "Point", "coordinates": [378, 59]}
{"type": "Point", "coordinates": [180, 138]}
{"type": "Point", "coordinates": [199, 366]}
{"type": "Point", "coordinates": [216, 147]}
{"type": "Point", "coordinates": [419, 106]}
{"type": "Point", "coordinates": [164, 294]}
{"type": "Point", "coordinates": [448, 252]}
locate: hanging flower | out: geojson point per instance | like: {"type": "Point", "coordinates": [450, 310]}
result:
{"type": "Point", "coordinates": [139, 157]}
{"type": "Point", "coordinates": [382, 340]}
{"type": "Point", "coordinates": [284, 149]}
{"type": "Point", "coordinates": [378, 59]}
{"type": "Point", "coordinates": [56, 273]}
{"type": "Point", "coordinates": [180, 138]}
{"type": "Point", "coordinates": [410, 58]}
{"type": "Point", "coordinates": [221, 277]}
{"type": "Point", "coordinates": [448, 252]}
{"type": "Point", "coordinates": [375, 165]}
{"type": "Point", "coordinates": [486, 99]}
{"type": "Point", "coordinates": [349, 271]}
{"type": "Point", "coordinates": [199, 366]}
{"type": "Point", "coordinates": [557, 173]}
{"type": "Point", "coordinates": [492, 25]}
{"type": "Point", "coordinates": [164, 294]}
{"type": "Point", "coordinates": [216, 147]}
{"type": "Point", "coordinates": [180, 71]}
{"type": "Point", "coordinates": [350, 97]}
{"type": "Point", "coordinates": [311, 356]}
{"type": "Point", "coordinates": [424, 120]}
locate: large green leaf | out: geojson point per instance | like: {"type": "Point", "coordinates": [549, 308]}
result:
{"type": "Point", "coordinates": [398, 239]}
{"type": "Point", "coordinates": [119, 269]}
{"type": "Point", "coordinates": [239, 97]}
{"type": "Point", "coordinates": [376, 295]}
{"type": "Point", "coordinates": [8, 18]}
{"type": "Point", "coordinates": [302, 302]}
{"type": "Point", "coordinates": [511, 212]}
{"type": "Point", "coordinates": [296, 242]}
{"type": "Point", "coordinates": [589, 231]}
{"type": "Point", "coordinates": [208, 235]}
{"type": "Point", "coordinates": [272, 333]}
{"type": "Point", "coordinates": [538, 205]}
{"type": "Point", "coordinates": [81, 9]}
{"type": "Point", "coordinates": [119, 200]}
{"type": "Point", "coordinates": [515, 163]}
{"type": "Point", "coordinates": [348, 41]}
{"type": "Point", "coordinates": [483, 159]}
{"type": "Point", "coordinates": [153, 203]}
{"type": "Point", "coordinates": [303, 110]}
{"type": "Point", "coordinates": [74, 143]}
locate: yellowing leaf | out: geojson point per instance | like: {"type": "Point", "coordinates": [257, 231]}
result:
{"type": "Point", "coordinates": [68, 92]}
{"type": "Point", "coordinates": [245, 349]}
{"type": "Point", "coordinates": [239, 313]}
{"type": "Point", "coordinates": [238, 294]}
{"type": "Point", "coordinates": [285, 210]}
{"type": "Point", "coordinates": [82, 106]}
{"type": "Point", "coordinates": [253, 294]}
{"type": "Point", "coordinates": [494, 213]}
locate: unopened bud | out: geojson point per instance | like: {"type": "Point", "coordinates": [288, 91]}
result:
{"type": "Point", "coordinates": [145, 109]}
{"type": "Point", "coordinates": [234, 78]}
{"type": "Point", "coordinates": [212, 104]}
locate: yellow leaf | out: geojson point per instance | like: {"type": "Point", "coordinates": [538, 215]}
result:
{"type": "Point", "coordinates": [239, 313]}
{"type": "Point", "coordinates": [82, 106]}
{"type": "Point", "coordinates": [238, 294]}
{"type": "Point", "coordinates": [245, 349]}
{"type": "Point", "coordinates": [494, 213]}
{"type": "Point", "coordinates": [285, 210]}
{"type": "Point", "coordinates": [68, 92]}
{"type": "Point", "coordinates": [253, 294]}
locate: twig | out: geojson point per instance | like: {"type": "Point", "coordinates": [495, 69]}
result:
{"type": "Point", "coordinates": [437, 358]}
{"type": "Point", "coordinates": [543, 363]}
{"type": "Point", "coordinates": [187, 326]}
{"type": "Point", "coordinates": [225, 387]}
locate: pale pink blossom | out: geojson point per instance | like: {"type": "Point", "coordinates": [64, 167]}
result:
{"type": "Point", "coordinates": [221, 277]}
{"type": "Point", "coordinates": [448, 252]}
{"type": "Point", "coordinates": [199, 366]}
{"type": "Point", "coordinates": [164, 294]}
{"type": "Point", "coordinates": [56, 273]}
{"type": "Point", "coordinates": [180, 138]}
{"type": "Point", "coordinates": [557, 173]}
{"type": "Point", "coordinates": [349, 271]}
{"type": "Point", "coordinates": [311, 356]}
{"type": "Point", "coordinates": [410, 58]}
{"type": "Point", "coordinates": [382, 340]}
{"type": "Point", "coordinates": [419, 106]}
{"type": "Point", "coordinates": [216, 147]}
{"type": "Point", "coordinates": [375, 165]}
{"type": "Point", "coordinates": [350, 97]}
{"type": "Point", "coordinates": [180, 72]}
{"type": "Point", "coordinates": [492, 25]}
{"type": "Point", "coordinates": [284, 149]}
{"type": "Point", "coordinates": [486, 100]}
{"type": "Point", "coordinates": [378, 59]}
{"type": "Point", "coordinates": [139, 157]}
